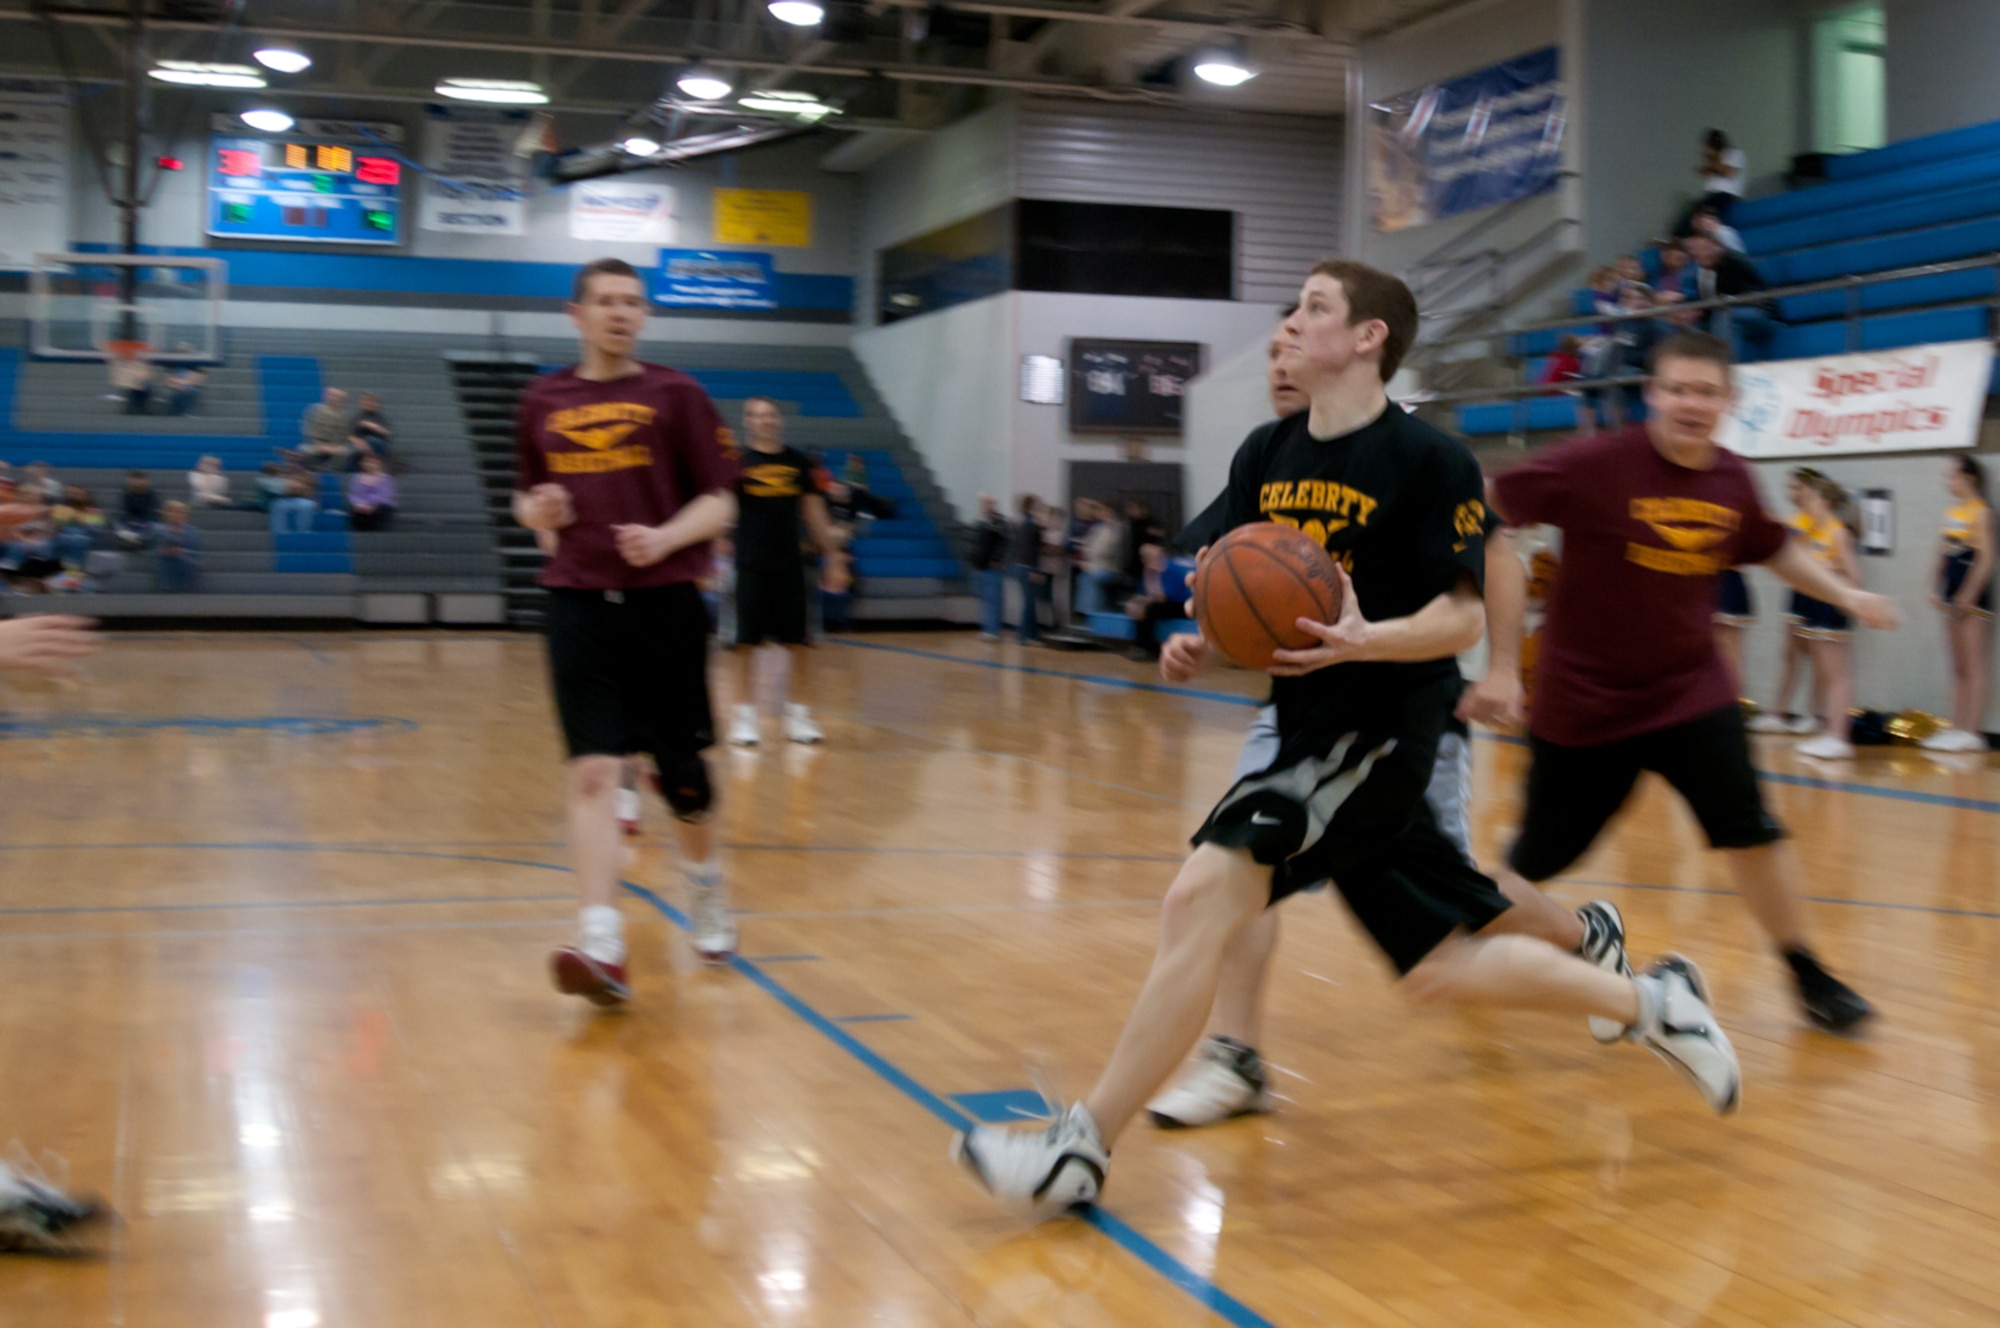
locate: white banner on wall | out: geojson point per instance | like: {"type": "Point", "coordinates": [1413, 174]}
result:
{"type": "Point", "coordinates": [620, 210]}
{"type": "Point", "coordinates": [34, 176]}
{"type": "Point", "coordinates": [1917, 399]}
{"type": "Point", "coordinates": [474, 183]}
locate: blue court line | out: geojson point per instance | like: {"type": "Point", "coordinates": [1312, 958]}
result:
{"type": "Point", "coordinates": [1226, 1306]}
{"type": "Point", "coordinates": [1122, 684]}
{"type": "Point", "coordinates": [1802, 781]}
{"type": "Point", "coordinates": [871, 1018]}
{"type": "Point", "coordinates": [310, 650]}
{"type": "Point", "coordinates": [784, 959]}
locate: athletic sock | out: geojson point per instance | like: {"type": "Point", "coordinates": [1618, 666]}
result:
{"type": "Point", "coordinates": [708, 874]}
{"type": "Point", "coordinates": [603, 934]}
{"type": "Point", "coordinates": [1649, 1008]}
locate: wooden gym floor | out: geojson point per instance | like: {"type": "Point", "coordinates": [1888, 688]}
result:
{"type": "Point", "coordinates": [273, 912]}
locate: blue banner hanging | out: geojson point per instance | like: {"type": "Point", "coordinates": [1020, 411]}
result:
{"type": "Point", "coordinates": [715, 279]}
{"type": "Point", "coordinates": [1472, 142]}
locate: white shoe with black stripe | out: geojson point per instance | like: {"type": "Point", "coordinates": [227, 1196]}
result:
{"type": "Point", "coordinates": [1677, 1026]}
{"type": "Point", "coordinates": [1604, 945]}
{"type": "Point", "coordinates": [1227, 1082]}
{"type": "Point", "coordinates": [1052, 1169]}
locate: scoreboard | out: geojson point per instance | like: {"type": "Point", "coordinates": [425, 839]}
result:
{"type": "Point", "coordinates": [307, 187]}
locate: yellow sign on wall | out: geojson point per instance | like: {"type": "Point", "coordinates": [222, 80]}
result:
{"type": "Point", "coordinates": [780, 218]}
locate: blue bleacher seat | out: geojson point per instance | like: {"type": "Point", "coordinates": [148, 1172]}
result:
{"type": "Point", "coordinates": [1972, 140]}
{"type": "Point", "coordinates": [1928, 177]}
{"type": "Point", "coordinates": [1118, 627]}
{"type": "Point", "coordinates": [314, 562]}
{"type": "Point", "coordinates": [1532, 415]}
{"type": "Point", "coordinates": [1874, 219]}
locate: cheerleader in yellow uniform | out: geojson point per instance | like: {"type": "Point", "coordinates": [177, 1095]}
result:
{"type": "Point", "coordinates": [1825, 627]}
{"type": "Point", "coordinates": [1798, 647]}
{"type": "Point", "coordinates": [1965, 596]}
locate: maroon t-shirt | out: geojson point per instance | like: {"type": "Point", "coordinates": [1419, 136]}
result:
{"type": "Point", "coordinates": [1628, 644]}
{"type": "Point", "coordinates": [631, 451]}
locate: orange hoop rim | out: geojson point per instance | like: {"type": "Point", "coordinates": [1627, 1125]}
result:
{"type": "Point", "coordinates": [126, 350]}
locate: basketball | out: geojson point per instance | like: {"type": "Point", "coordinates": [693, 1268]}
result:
{"type": "Point", "coordinates": [1257, 583]}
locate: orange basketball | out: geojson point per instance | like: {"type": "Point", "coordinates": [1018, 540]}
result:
{"type": "Point", "coordinates": [1257, 583]}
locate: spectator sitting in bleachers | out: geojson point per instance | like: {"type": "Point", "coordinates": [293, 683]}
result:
{"type": "Point", "coordinates": [1676, 279]}
{"type": "Point", "coordinates": [1719, 274]}
{"type": "Point", "coordinates": [1150, 606]}
{"type": "Point", "coordinates": [176, 547]}
{"type": "Point", "coordinates": [1631, 272]}
{"type": "Point", "coordinates": [80, 525]}
{"type": "Point", "coordinates": [836, 584]}
{"type": "Point", "coordinates": [294, 505]}
{"type": "Point", "coordinates": [132, 382]}
{"type": "Point", "coordinates": [371, 434]}
{"type": "Point", "coordinates": [29, 556]}
{"type": "Point", "coordinates": [138, 509]}
{"type": "Point", "coordinates": [371, 496]}
{"type": "Point", "coordinates": [184, 387]}
{"type": "Point", "coordinates": [207, 485]}
{"type": "Point", "coordinates": [324, 430]}
{"type": "Point", "coordinates": [1103, 555]}
{"type": "Point", "coordinates": [39, 480]}
{"type": "Point", "coordinates": [1708, 222]}
{"type": "Point", "coordinates": [1603, 287]}
{"type": "Point", "coordinates": [271, 485]}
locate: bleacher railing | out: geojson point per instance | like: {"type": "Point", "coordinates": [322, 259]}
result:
{"type": "Point", "coordinates": [1854, 285]}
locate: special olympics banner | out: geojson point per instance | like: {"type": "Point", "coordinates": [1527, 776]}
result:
{"type": "Point", "coordinates": [715, 279]}
{"type": "Point", "coordinates": [474, 182]}
{"type": "Point", "coordinates": [615, 210]}
{"type": "Point", "coordinates": [1478, 140]}
{"type": "Point", "coordinates": [1918, 399]}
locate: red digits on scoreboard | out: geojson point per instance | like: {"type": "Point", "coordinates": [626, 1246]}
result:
{"type": "Point", "coordinates": [377, 170]}
{"type": "Point", "coordinates": [239, 161]}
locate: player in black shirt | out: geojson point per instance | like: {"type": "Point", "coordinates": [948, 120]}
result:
{"type": "Point", "coordinates": [778, 490]}
{"type": "Point", "coordinates": [1400, 507]}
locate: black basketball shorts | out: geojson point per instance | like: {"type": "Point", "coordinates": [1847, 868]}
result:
{"type": "Point", "coordinates": [1573, 792]}
{"type": "Point", "coordinates": [630, 670]}
{"type": "Point", "coordinates": [771, 605]}
{"type": "Point", "coordinates": [1351, 807]}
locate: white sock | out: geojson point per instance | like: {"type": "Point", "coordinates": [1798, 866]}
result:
{"type": "Point", "coordinates": [1650, 997]}
{"type": "Point", "coordinates": [703, 873]}
{"type": "Point", "coordinates": [781, 678]}
{"type": "Point", "coordinates": [603, 933]}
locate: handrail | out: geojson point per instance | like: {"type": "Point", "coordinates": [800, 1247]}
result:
{"type": "Point", "coordinates": [1438, 255]}
{"type": "Point", "coordinates": [1498, 260]}
{"type": "Point", "coordinates": [1852, 283]}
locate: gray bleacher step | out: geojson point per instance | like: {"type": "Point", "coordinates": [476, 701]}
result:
{"type": "Point", "coordinates": [926, 608]}
{"type": "Point", "coordinates": [204, 605]}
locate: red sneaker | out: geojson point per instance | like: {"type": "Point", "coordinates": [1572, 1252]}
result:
{"type": "Point", "coordinates": [577, 974]}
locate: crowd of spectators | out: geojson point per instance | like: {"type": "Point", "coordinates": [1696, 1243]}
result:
{"type": "Point", "coordinates": [1065, 568]}
{"type": "Point", "coordinates": [68, 543]}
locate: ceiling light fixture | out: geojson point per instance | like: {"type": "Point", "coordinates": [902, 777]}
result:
{"type": "Point", "coordinates": [704, 84]}
{"type": "Point", "coordinates": [798, 13]}
{"type": "Point", "coordinates": [202, 74]}
{"type": "Point", "coordinates": [493, 91]}
{"type": "Point", "coordinates": [1222, 68]}
{"type": "Point", "coordinates": [778, 102]}
{"type": "Point", "coordinates": [282, 58]}
{"type": "Point", "coordinates": [641, 146]}
{"type": "Point", "coordinates": [267, 119]}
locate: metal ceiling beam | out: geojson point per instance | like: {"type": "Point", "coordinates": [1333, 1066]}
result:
{"type": "Point", "coordinates": [900, 73]}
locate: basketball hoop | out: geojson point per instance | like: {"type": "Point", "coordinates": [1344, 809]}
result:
{"type": "Point", "coordinates": [126, 351]}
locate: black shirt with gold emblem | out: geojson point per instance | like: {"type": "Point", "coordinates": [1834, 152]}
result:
{"type": "Point", "coordinates": [1400, 505]}
{"type": "Point", "coordinates": [769, 488]}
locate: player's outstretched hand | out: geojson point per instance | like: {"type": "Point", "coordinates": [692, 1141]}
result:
{"type": "Point", "coordinates": [642, 546]}
{"type": "Point", "coordinates": [1495, 700]}
{"type": "Point", "coordinates": [46, 643]}
{"type": "Point", "coordinates": [1183, 657]}
{"type": "Point", "coordinates": [550, 507]}
{"type": "Point", "coordinates": [1876, 611]}
{"type": "Point", "coordinates": [1200, 557]}
{"type": "Point", "coordinates": [1346, 638]}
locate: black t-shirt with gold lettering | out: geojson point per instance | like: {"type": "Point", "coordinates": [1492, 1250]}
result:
{"type": "Point", "coordinates": [769, 488]}
{"type": "Point", "coordinates": [1400, 505]}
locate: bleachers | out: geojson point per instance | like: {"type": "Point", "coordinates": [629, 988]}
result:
{"type": "Point", "coordinates": [438, 562]}
{"type": "Point", "coordinates": [1924, 201]}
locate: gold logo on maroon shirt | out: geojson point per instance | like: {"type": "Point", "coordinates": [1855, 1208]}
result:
{"type": "Point", "coordinates": [602, 425]}
{"type": "Point", "coordinates": [1688, 527]}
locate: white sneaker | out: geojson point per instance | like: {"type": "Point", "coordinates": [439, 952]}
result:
{"type": "Point", "coordinates": [1769, 723]}
{"type": "Point", "coordinates": [1800, 725]}
{"type": "Point", "coordinates": [1679, 1028]}
{"type": "Point", "coordinates": [1826, 747]}
{"type": "Point", "coordinates": [799, 726]}
{"type": "Point", "coordinates": [1051, 1169]}
{"type": "Point", "coordinates": [1604, 946]}
{"type": "Point", "coordinates": [711, 925]}
{"type": "Point", "coordinates": [37, 1216]}
{"type": "Point", "coordinates": [1954, 740]}
{"type": "Point", "coordinates": [1227, 1082]}
{"type": "Point", "coordinates": [743, 728]}
{"type": "Point", "coordinates": [629, 810]}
